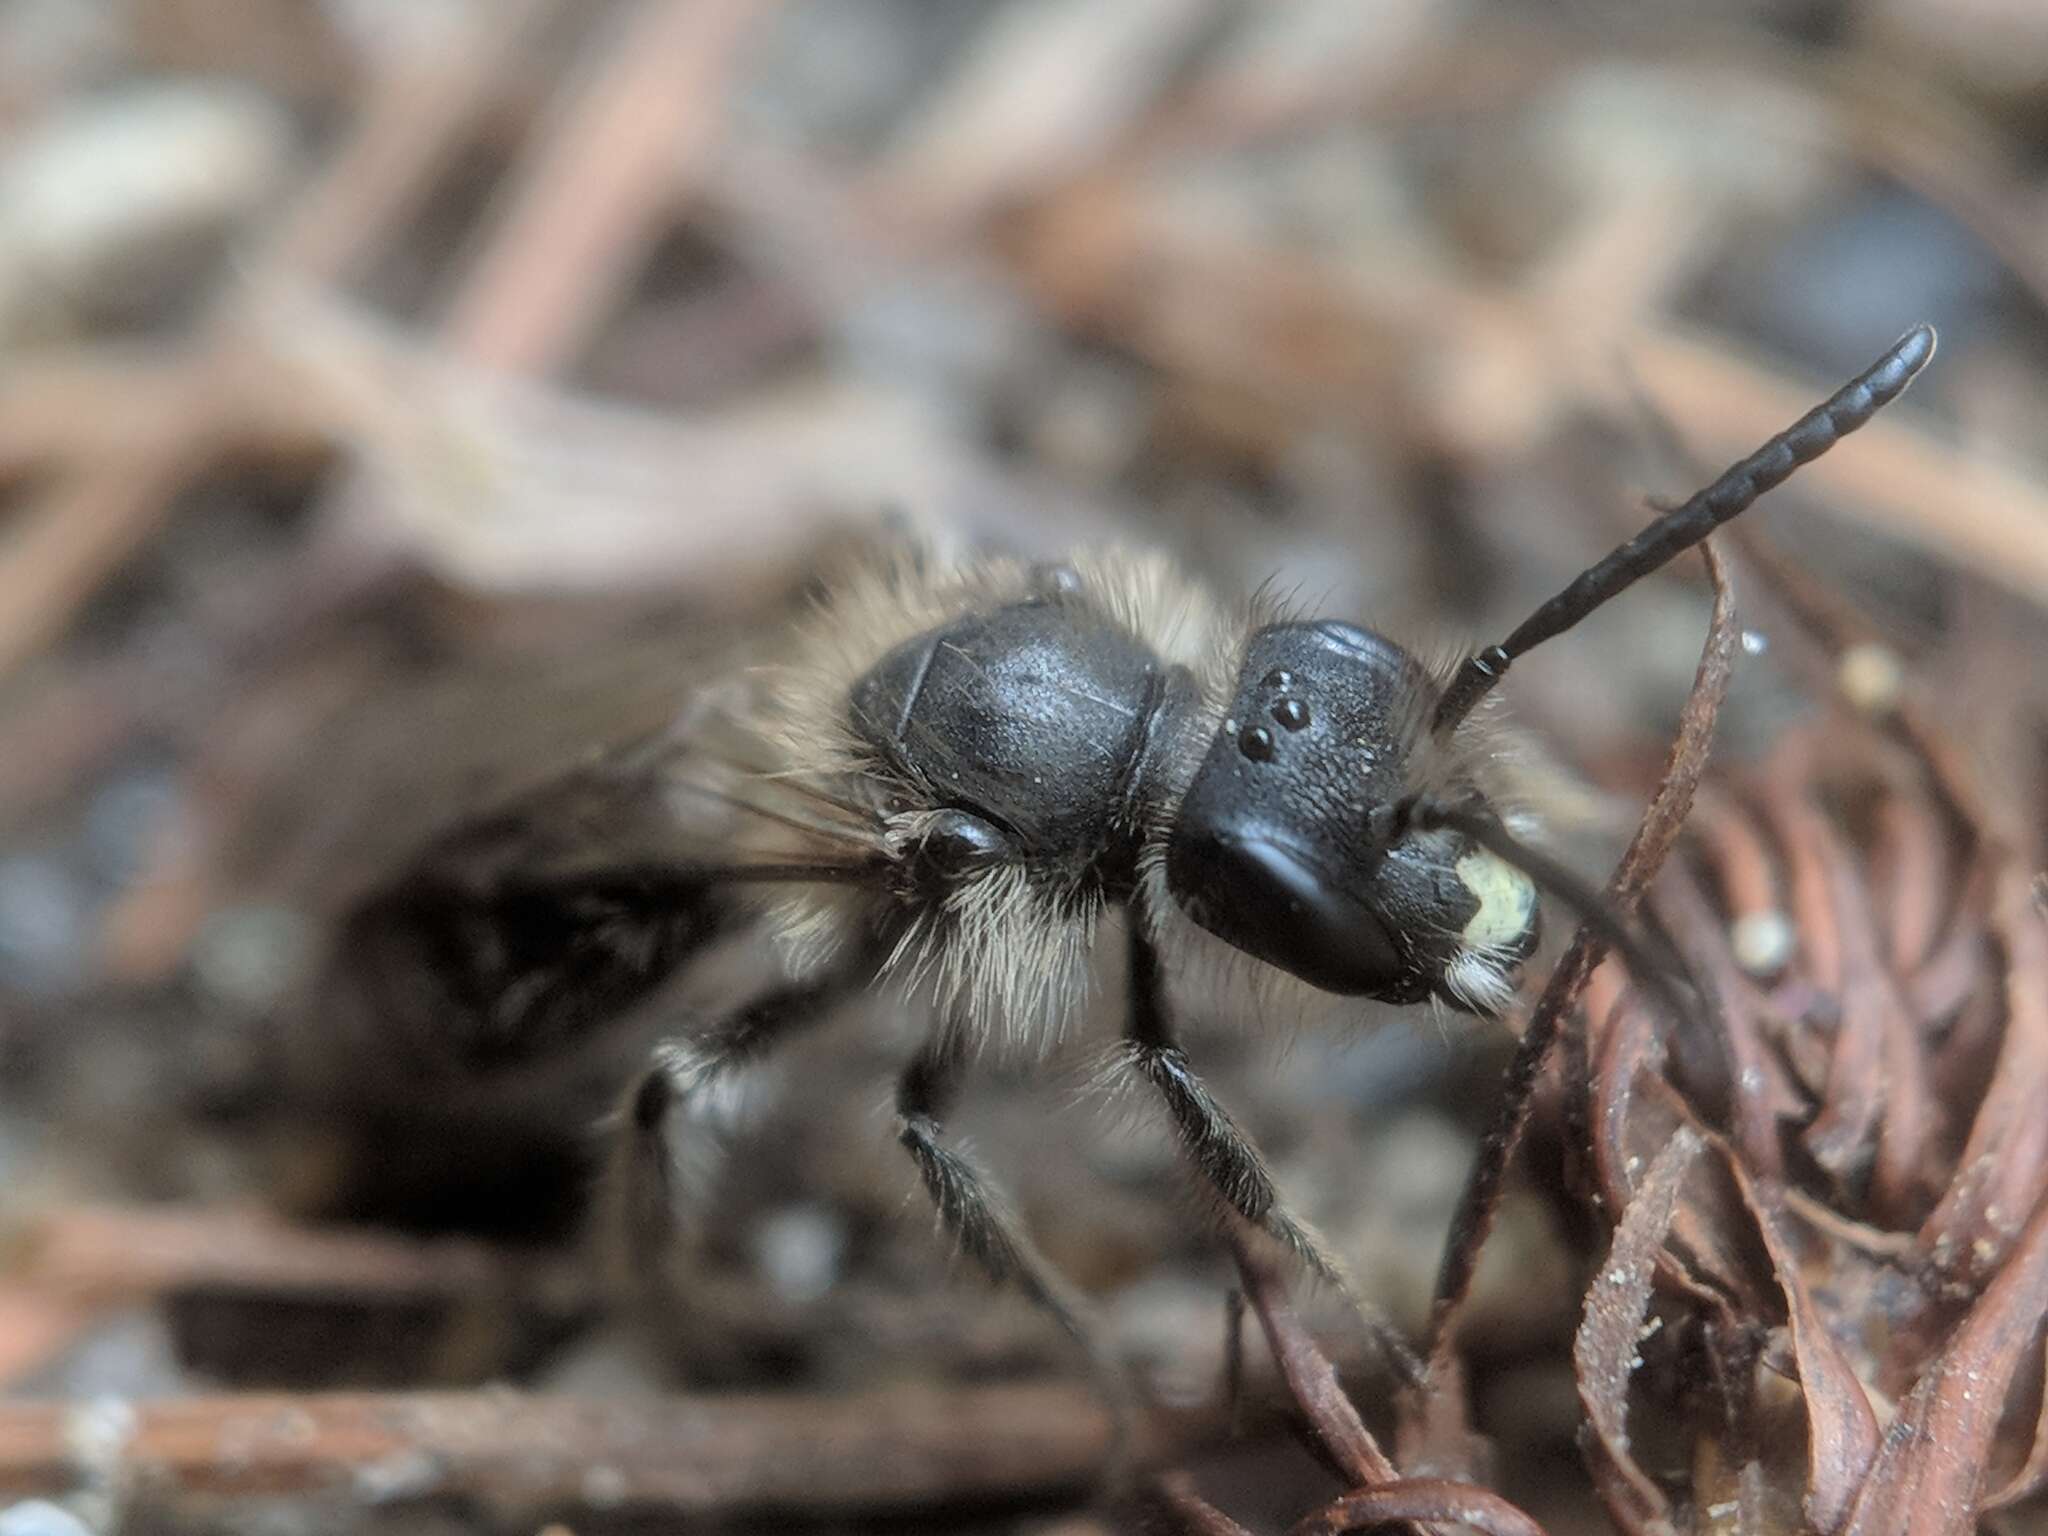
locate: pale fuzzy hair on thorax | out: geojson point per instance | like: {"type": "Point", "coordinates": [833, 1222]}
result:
{"type": "Point", "coordinates": [1010, 952]}
{"type": "Point", "coordinates": [881, 601]}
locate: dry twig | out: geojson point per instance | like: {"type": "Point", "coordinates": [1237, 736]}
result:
{"type": "Point", "coordinates": [1645, 854]}
{"type": "Point", "coordinates": [524, 1456]}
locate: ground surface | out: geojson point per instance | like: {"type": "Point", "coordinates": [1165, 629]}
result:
{"type": "Point", "coordinates": [396, 400]}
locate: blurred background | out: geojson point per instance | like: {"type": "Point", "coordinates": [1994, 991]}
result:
{"type": "Point", "coordinates": [401, 398]}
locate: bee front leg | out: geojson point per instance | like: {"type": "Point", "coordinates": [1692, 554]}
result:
{"type": "Point", "coordinates": [1222, 1154]}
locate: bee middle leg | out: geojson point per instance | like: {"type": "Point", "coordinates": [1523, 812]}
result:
{"type": "Point", "coordinates": [985, 1226]}
{"type": "Point", "coordinates": [1222, 1154]}
{"type": "Point", "coordinates": [970, 1207]}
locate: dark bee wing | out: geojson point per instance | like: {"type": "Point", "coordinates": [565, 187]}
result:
{"type": "Point", "coordinates": [357, 796]}
{"type": "Point", "coordinates": [572, 884]}
{"type": "Point", "coordinates": [517, 932]}
{"type": "Point", "coordinates": [696, 801]}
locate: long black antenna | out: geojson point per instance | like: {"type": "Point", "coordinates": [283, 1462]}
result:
{"type": "Point", "coordinates": [1682, 527]}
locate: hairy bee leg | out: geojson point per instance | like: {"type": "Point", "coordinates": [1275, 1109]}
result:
{"type": "Point", "coordinates": [982, 1222]}
{"type": "Point", "coordinates": [990, 1231]}
{"type": "Point", "coordinates": [658, 1165]}
{"type": "Point", "coordinates": [977, 1216]}
{"type": "Point", "coordinates": [1222, 1154]}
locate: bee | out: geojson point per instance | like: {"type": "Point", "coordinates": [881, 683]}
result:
{"type": "Point", "coordinates": [940, 786]}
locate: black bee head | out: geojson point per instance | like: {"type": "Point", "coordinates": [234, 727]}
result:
{"type": "Point", "coordinates": [1283, 847]}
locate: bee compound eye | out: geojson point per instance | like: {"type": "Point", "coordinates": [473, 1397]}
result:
{"type": "Point", "coordinates": [958, 842]}
{"type": "Point", "coordinates": [1264, 895]}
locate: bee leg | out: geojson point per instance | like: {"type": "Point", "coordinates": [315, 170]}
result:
{"type": "Point", "coordinates": [667, 1148]}
{"type": "Point", "coordinates": [987, 1229]}
{"type": "Point", "coordinates": [972, 1210]}
{"type": "Point", "coordinates": [1222, 1154]}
